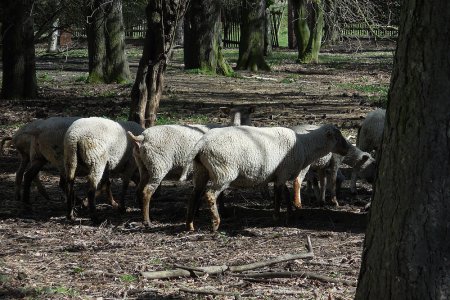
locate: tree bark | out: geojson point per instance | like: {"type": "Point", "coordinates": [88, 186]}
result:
{"type": "Point", "coordinates": [106, 43]}
{"type": "Point", "coordinates": [292, 42]}
{"type": "Point", "coordinates": [162, 20]}
{"type": "Point", "coordinates": [53, 37]}
{"type": "Point", "coordinates": [18, 56]}
{"type": "Point", "coordinates": [202, 44]}
{"type": "Point", "coordinates": [407, 246]}
{"type": "Point", "coordinates": [308, 28]}
{"type": "Point", "coordinates": [251, 45]}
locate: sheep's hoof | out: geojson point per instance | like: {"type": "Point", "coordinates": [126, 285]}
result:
{"type": "Point", "coordinates": [215, 225]}
{"type": "Point", "coordinates": [334, 202]}
{"type": "Point", "coordinates": [71, 217]}
{"type": "Point", "coordinates": [114, 204]}
{"type": "Point", "coordinates": [190, 226]}
{"type": "Point", "coordinates": [147, 224]}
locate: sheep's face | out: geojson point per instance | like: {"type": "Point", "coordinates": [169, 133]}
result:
{"type": "Point", "coordinates": [340, 144]}
{"type": "Point", "coordinates": [240, 115]}
{"type": "Point", "coordinates": [368, 168]}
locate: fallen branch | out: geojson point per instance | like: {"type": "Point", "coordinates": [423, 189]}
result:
{"type": "Point", "coordinates": [308, 275]}
{"type": "Point", "coordinates": [184, 271]}
{"type": "Point", "coordinates": [209, 292]}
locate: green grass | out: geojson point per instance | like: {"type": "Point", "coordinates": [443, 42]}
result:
{"type": "Point", "coordinates": [181, 119]}
{"type": "Point", "coordinates": [58, 290]}
{"type": "Point", "coordinates": [376, 93]}
{"type": "Point", "coordinates": [45, 78]}
{"type": "Point", "coordinates": [128, 278]}
{"type": "Point", "coordinates": [82, 78]}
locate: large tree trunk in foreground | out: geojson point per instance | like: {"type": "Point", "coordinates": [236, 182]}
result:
{"type": "Point", "coordinates": [19, 65]}
{"type": "Point", "coordinates": [308, 28]}
{"type": "Point", "coordinates": [202, 30]}
{"type": "Point", "coordinates": [251, 45]}
{"type": "Point", "coordinates": [407, 247]}
{"type": "Point", "coordinates": [106, 43]}
{"type": "Point", "coordinates": [162, 20]}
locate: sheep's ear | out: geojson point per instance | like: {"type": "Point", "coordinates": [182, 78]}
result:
{"type": "Point", "coordinates": [137, 140]}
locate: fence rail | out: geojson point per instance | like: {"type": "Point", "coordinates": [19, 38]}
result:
{"type": "Point", "coordinates": [231, 32]}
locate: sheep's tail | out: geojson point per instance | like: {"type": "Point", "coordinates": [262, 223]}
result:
{"type": "Point", "coordinates": [187, 169]}
{"type": "Point", "coordinates": [137, 140]}
{"type": "Point", "coordinates": [70, 158]}
{"type": "Point", "coordinates": [4, 141]}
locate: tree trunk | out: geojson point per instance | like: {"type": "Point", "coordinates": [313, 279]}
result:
{"type": "Point", "coordinates": [308, 28]}
{"type": "Point", "coordinates": [162, 19]}
{"type": "Point", "coordinates": [18, 56]}
{"type": "Point", "coordinates": [331, 26]}
{"type": "Point", "coordinates": [268, 34]}
{"type": "Point", "coordinates": [407, 246]}
{"type": "Point", "coordinates": [251, 45]}
{"type": "Point", "coordinates": [53, 37]}
{"type": "Point", "coordinates": [106, 43]}
{"type": "Point", "coordinates": [292, 42]}
{"type": "Point", "coordinates": [96, 42]}
{"type": "Point", "coordinates": [117, 68]}
{"type": "Point", "coordinates": [202, 44]}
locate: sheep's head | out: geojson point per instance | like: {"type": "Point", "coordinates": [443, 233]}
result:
{"type": "Point", "coordinates": [339, 144]}
{"type": "Point", "coordinates": [367, 167]}
{"type": "Point", "coordinates": [239, 115]}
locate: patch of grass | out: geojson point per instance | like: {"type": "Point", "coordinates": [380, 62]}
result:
{"type": "Point", "coordinates": [4, 278]}
{"type": "Point", "coordinates": [82, 78]}
{"type": "Point", "coordinates": [58, 290]}
{"type": "Point", "coordinates": [376, 93]}
{"type": "Point", "coordinates": [78, 270]}
{"type": "Point", "coordinates": [45, 77]}
{"type": "Point", "coordinates": [290, 78]}
{"type": "Point", "coordinates": [12, 125]}
{"type": "Point", "coordinates": [108, 94]}
{"type": "Point", "coordinates": [155, 261]}
{"type": "Point", "coordinates": [181, 119]}
{"type": "Point", "coordinates": [128, 278]}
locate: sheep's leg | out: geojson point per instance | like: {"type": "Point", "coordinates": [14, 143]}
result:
{"type": "Point", "coordinates": [211, 200]}
{"type": "Point", "coordinates": [30, 174]}
{"type": "Point", "coordinates": [298, 185]}
{"type": "Point", "coordinates": [70, 200]}
{"type": "Point", "coordinates": [106, 187]}
{"type": "Point", "coordinates": [221, 202]}
{"type": "Point", "coordinates": [353, 181]}
{"type": "Point", "coordinates": [19, 175]}
{"type": "Point", "coordinates": [41, 188]}
{"type": "Point", "coordinates": [97, 175]}
{"type": "Point", "coordinates": [333, 179]}
{"type": "Point", "coordinates": [323, 185]}
{"type": "Point", "coordinates": [277, 203]}
{"type": "Point", "coordinates": [200, 181]}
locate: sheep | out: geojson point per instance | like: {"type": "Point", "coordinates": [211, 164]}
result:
{"type": "Point", "coordinates": [355, 158]}
{"type": "Point", "coordinates": [164, 151]}
{"type": "Point", "coordinates": [248, 156]}
{"type": "Point", "coordinates": [369, 138]}
{"type": "Point", "coordinates": [97, 147]}
{"type": "Point", "coordinates": [22, 142]}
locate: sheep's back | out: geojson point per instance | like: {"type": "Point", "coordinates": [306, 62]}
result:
{"type": "Point", "coordinates": [253, 155]}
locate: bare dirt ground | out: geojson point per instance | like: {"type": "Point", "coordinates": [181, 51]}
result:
{"type": "Point", "coordinates": [44, 256]}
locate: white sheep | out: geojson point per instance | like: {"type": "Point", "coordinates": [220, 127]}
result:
{"type": "Point", "coordinates": [98, 148]}
{"type": "Point", "coordinates": [164, 151]}
{"type": "Point", "coordinates": [369, 137]}
{"type": "Point", "coordinates": [22, 141]}
{"type": "Point", "coordinates": [248, 156]}
{"type": "Point", "coordinates": [329, 164]}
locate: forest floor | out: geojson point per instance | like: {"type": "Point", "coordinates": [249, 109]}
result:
{"type": "Point", "coordinates": [43, 255]}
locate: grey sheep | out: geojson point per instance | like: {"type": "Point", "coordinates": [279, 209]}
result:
{"type": "Point", "coordinates": [164, 152]}
{"type": "Point", "coordinates": [248, 156]}
{"type": "Point", "coordinates": [98, 148]}
{"type": "Point", "coordinates": [369, 138]}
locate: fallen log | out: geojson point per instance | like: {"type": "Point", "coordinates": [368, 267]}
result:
{"type": "Point", "coordinates": [309, 275]}
{"type": "Point", "coordinates": [185, 271]}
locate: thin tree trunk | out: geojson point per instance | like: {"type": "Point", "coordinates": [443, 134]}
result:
{"type": "Point", "coordinates": [162, 20]}
{"type": "Point", "coordinates": [53, 37]}
{"type": "Point", "coordinates": [292, 42]}
{"type": "Point", "coordinates": [18, 56]}
{"type": "Point", "coordinates": [202, 45]}
{"type": "Point", "coordinates": [407, 246]}
{"type": "Point", "coordinates": [251, 45]}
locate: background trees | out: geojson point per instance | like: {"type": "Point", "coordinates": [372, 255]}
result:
{"type": "Point", "coordinates": [19, 70]}
{"type": "Point", "coordinates": [406, 251]}
{"type": "Point", "coordinates": [162, 20]}
{"type": "Point", "coordinates": [106, 42]}
{"type": "Point", "coordinates": [202, 42]}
